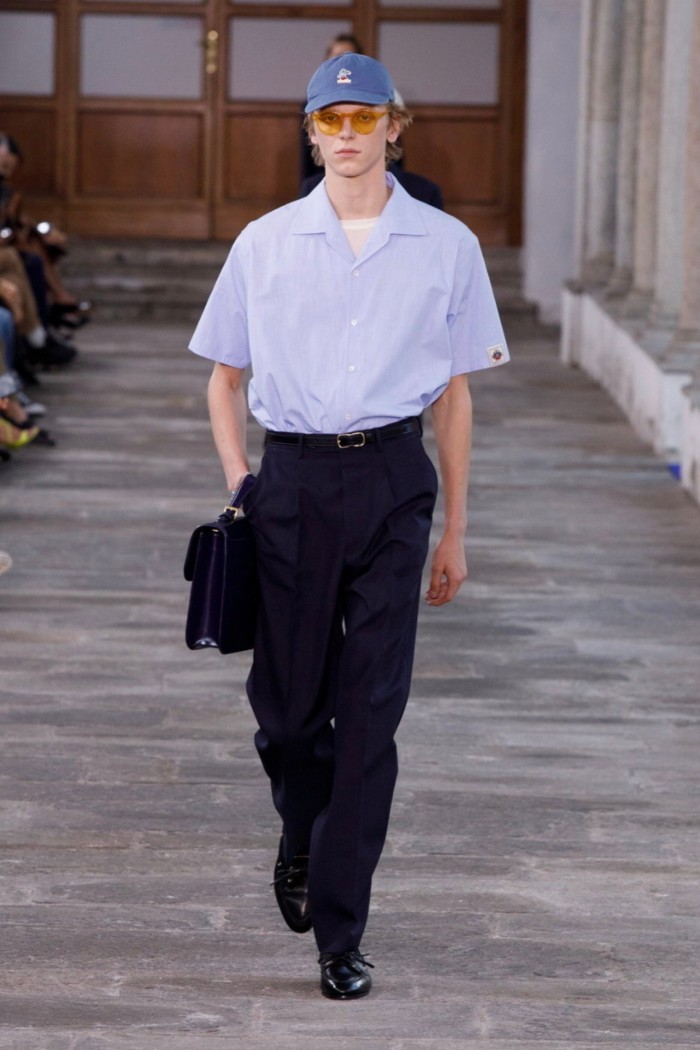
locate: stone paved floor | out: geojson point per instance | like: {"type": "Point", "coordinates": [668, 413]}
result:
{"type": "Point", "coordinates": [540, 883]}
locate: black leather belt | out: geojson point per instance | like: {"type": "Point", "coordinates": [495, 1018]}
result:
{"type": "Point", "coordinates": [353, 439]}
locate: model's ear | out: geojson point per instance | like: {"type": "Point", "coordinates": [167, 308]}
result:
{"type": "Point", "coordinates": [394, 129]}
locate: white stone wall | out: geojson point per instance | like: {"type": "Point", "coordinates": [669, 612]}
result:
{"type": "Point", "coordinates": [631, 316]}
{"type": "Point", "coordinates": [554, 47]}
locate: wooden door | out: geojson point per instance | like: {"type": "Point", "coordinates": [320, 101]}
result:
{"type": "Point", "coordinates": [180, 118]}
{"type": "Point", "coordinates": [118, 140]}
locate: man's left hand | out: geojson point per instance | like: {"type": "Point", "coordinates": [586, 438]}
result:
{"type": "Point", "coordinates": [448, 571]}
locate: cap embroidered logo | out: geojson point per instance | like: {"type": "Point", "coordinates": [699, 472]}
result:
{"type": "Point", "coordinates": [344, 77]}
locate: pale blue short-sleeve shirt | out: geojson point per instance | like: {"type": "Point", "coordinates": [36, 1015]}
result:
{"type": "Point", "coordinates": [338, 343]}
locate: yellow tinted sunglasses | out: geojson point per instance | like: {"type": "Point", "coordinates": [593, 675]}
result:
{"type": "Point", "coordinates": [363, 121]}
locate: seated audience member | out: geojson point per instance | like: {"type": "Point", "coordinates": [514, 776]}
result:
{"type": "Point", "coordinates": [41, 244]}
{"type": "Point", "coordinates": [18, 411]}
{"type": "Point", "coordinates": [27, 319]}
{"type": "Point", "coordinates": [44, 348]}
{"type": "Point", "coordinates": [17, 428]}
{"type": "Point", "coordinates": [8, 358]}
{"type": "Point", "coordinates": [7, 338]}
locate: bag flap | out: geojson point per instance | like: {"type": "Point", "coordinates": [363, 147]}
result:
{"type": "Point", "coordinates": [193, 546]}
{"type": "Point", "coordinates": [232, 529]}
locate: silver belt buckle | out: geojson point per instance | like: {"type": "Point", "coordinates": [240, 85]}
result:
{"type": "Point", "coordinates": [355, 439]}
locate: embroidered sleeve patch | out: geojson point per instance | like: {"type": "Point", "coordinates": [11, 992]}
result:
{"type": "Point", "coordinates": [496, 354]}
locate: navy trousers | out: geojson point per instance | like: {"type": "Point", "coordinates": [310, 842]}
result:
{"type": "Point", "coordinates": [342, 537]}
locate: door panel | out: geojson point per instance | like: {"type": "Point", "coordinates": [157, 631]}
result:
{"type": "Point", "coordinates": [448, 63]}
{"type": "Point", "coordinates": [137, 155]}
{"type": "Point", "coordinates": [460, 153]}
{"type": "Point", "coordinates": [299, 40]}
{"type": "Point", "coordinates": [38, 140]}
{"type": "Point", "coordinates": [301, 3]}
{"type": "Point", "coordinates": [133, 3]}
{"type": "Point", "coordinates": [494, 5]}
{"type": "Point", "coordinates": [141, 132]}
{"type": "Point", "coordinates": [21, 34]}
{"type": "Point", "coordinates": [140, 56]}
{"type": "Point", "coordinates": [248, 188]}
{"type": "Point", "coordinates": [257, 134]}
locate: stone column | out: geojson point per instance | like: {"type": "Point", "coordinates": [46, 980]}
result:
{"type": "Point", "coordinates": [671, 220]}
{"type": "Point", "coordinates": [600, 159]}
{"type": "Point", "coordinates": [690, 300]}
{"type": "Point", "coordinates": [685, 349]}
{"type": "Point", "coordinates": [621, 280]}
{"type": "Point", "coordinates": [686, 341]}
{"type": "Point", "coordinates": [587, 20]}
{"type": "Point", "coordinates": [646, 192]}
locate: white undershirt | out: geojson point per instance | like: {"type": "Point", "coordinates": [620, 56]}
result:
{"type": "Point", "coordinates": [357, 231]}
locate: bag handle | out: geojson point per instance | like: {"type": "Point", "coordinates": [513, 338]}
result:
{"type": "Point", "coordinates": [238, 495]}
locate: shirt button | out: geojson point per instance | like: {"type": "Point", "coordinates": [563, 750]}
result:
{"type": "Point", "coordinates": [356, 273]}
{"type": "Point", "coordinates": [348, 415]}
{"type": "Point", "coordinates": [354, 321]}
{"type": "Point", "coordinates": [351, 368]}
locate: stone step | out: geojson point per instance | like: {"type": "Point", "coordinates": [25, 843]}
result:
{"type": "Point", "coordinates": [149, 279]}
{"type": "Point", "coordinates": [171, 280]}
{"type": "Point", "coordinates": [87, 252]}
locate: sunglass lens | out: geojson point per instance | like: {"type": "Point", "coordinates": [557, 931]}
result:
{"type": "Point", "coordinates": [330, 123]}
{"type": "Point", "coordinates": [364, 121]}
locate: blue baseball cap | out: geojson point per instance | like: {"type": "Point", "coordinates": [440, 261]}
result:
{"type": "Point", "coordinates": [349, 78]}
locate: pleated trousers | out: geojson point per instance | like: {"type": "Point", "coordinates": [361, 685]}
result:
{"type": "Point", "coordinates": [341, 537]}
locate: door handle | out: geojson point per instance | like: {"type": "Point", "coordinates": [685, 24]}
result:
{"type": "Point", "coordinates": [211, 52]}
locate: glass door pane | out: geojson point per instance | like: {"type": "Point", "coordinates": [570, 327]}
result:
{"type": "Point", "coordinates": [293, 48]}
{"type": "Point", "coordinates": [141, 56]}
{"type": "Point", "coordinates": [27, 43]}
{"type": "Point", "coordinates": [453, 63]}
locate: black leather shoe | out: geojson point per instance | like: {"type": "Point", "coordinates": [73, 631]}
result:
{"type": "Point", "coordinates": [344, 975]}
{"type": "Point", "coordinates": [291, 884]}
{"type": "Point", "coordinates": [54, 354]}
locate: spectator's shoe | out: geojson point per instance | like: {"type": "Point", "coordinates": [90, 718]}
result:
{"type": "Point", "coordinates": [5, 562]}
{"type": "Point", "coordinates": [59, 339]}
{"type": "Point", "coordinates": [31, 407]}
{"type": "Point", "coordinates": [10, 384]}
{"type": "Point", "coordinates": [41, 436]}
{"type": "Point", "coordinates": [44, 438]}
{"type": "Point", "coordinates": [22, 364]}
{"type": "Point", "coordinates": [291, 882]}
{"type": "Point", "coordinates": [344, 975]}
{"type": "Point", "coordinates": [70, 315]}
{"type": "Point", "coordinates": [27, 373]}
{"type": "Point", "coordinates": [84, 308]}
{"type": "Point", "coordinates": [69, 324]}
{"type": "Point", "coordinates": [55, 353]}
{"type": "Point", "coordinates": [13, 436]}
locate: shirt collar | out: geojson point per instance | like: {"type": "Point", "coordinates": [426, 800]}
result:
{"type": "Point", "coordinates": [401, 213]}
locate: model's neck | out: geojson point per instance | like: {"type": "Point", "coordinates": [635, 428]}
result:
{"type": "Point", "coordinates": [362, 197]}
